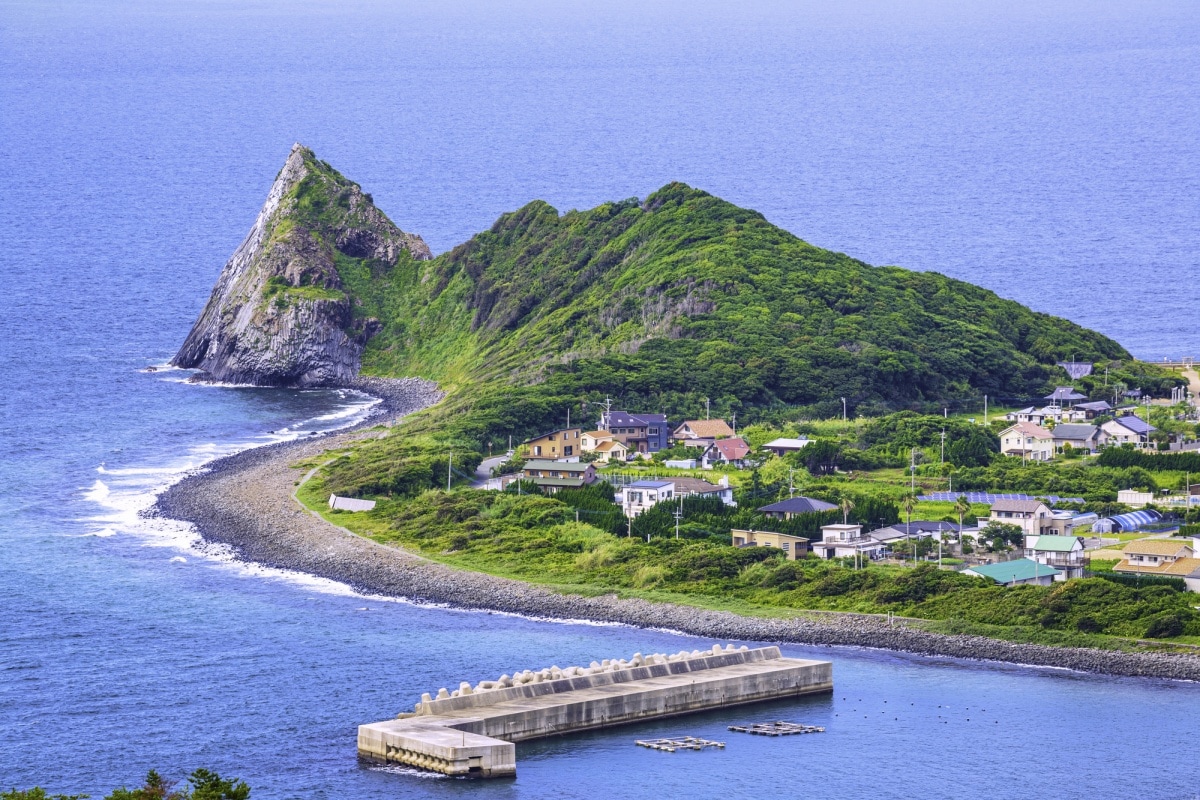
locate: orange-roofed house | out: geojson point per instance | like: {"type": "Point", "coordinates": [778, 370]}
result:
{"type": "Point", "coordinates": [611, 450]}
{"type": "Point", "coordinates": [590, 440]}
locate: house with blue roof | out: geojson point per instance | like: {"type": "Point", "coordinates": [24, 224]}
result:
{"type": "Point", "coordinates": [1129, 429]}
{"type": "Point", "coordinates": [1019, 572]}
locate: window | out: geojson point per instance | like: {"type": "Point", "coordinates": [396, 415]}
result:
{"type": "Point", "coordinates": [567, 450]}
{"type": "Point", "coordinates": [537, 450]}
{"type": "Point", "coordinates": [654, 431]}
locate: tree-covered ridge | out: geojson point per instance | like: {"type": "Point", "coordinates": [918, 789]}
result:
{"type": "Point", "coordinates": [687, 292]}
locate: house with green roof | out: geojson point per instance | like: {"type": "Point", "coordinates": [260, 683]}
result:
{"type": "Point", "coordinates": [1022, 571]}
{"type": "Point", "coordinates": [1064, 553]}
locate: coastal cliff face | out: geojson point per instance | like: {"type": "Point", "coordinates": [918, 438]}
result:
{"type": "Point", "coordinates": [280, 314]}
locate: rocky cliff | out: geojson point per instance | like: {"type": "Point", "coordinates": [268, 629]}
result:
{"type": "Point", "coordinates": [280, 314]}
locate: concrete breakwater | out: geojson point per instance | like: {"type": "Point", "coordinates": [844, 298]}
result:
{"type": "Point", "coordinates": [245, 502]}
{"type": "Point", "coordinates": [472, 730]}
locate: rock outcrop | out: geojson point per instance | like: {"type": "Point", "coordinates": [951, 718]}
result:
{"type": "Point", "coordinates": [280, 314]}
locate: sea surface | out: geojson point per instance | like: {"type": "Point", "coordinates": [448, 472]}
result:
{"type": "Point", "coordinates": [1046, 150]}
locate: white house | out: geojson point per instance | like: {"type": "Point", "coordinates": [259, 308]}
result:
{"type": "Point", "coordinates": [641, 495]}
{"type": "Point", "coordinates": [1065, 553]}
{"type": "Point", "coordinates": [1028, 441]}
{"type": "Point", "coordinates": [845, 541]}
{"type": "Point", "coordinates": [1033, 516]}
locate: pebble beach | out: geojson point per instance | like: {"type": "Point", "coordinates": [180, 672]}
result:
{"type": "Point", "coordinates": [245, 502]}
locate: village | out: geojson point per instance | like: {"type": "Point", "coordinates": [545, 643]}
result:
{"type": "Point", "coordinates": [1011, 538]}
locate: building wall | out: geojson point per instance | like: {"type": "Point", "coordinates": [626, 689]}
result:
{"type": "Point", "coordinates": [560, 444]}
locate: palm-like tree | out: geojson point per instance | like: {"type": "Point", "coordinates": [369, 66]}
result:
{"type": "Point", "coordinates": [909, 501]}
{"type": "Point", "coordinates": [847, 506]}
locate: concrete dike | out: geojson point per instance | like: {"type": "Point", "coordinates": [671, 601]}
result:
{"type": "Point", "coordinates": [472, 731]}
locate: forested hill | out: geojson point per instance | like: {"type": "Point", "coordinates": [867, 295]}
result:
{"type": "Point", "coordinates": [684, 296]}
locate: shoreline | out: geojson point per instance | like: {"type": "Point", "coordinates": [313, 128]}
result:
{"type": "Point", "coordinates": [244, 501]}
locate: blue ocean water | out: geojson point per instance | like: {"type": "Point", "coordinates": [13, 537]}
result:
{"type": "Point", "coordinates": [1046, 150]}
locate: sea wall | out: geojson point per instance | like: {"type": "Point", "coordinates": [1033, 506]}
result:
{"type": "Point", "coordinates": [245, 502]}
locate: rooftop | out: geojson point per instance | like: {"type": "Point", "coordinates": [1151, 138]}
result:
{"type": "Point", "coordinates": [1180, 566]}
{"type": "Point", "coordinates": [1074, 431]}
{"type": "Point", "coordinates": [1056, 544]}
{"type": "Point", "coordinates": [649, 484]}
{"type": "Point", "coordinates": [1029, 506]}
{"type": "Point", "coordinates": [561, 466]}
{"type": "Point", "coordinates": [732, 449]}
{"type": "Point", "coordinates": [1135, 424]}
{"type": "Point", "coordinates": [798, 505]}
{"type": "Point", "coordinates": [784, 444]}
{"type": "Point", "coordinates": [694, 486]}
{"type": "Point", "coordinates": [1157, 547]}
{"type": "Point", "coordinates": [707, 428]}
{"type": "Point", "coordinates": [1021, 569]}
{"type": "Point", "coordinates": [1030, 429]}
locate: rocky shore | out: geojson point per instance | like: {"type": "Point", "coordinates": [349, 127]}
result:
{"type": "Point", "coordinates": [245, 502]}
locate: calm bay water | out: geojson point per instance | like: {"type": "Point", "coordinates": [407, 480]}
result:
{"type": "Point", "coordinates": [1048, 151]}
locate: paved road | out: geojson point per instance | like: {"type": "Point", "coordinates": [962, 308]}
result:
{"type": "Point", "coordinates": [485, 471]}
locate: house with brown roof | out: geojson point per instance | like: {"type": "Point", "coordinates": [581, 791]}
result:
{"type": "Point", "coordinates": [1029, 441]}
{"type": "Point", "coordinates": [611, 450]}
{"type": "Point", "coordinates": [1033, 516]}
{"type": "Point", "coordinates": [590, 440]}
{"type": "Point", "coordinates": [1174, 558]}
{"type": "Point", "coordinates": [687, 487]}
{"type": "Point", "coordinates": [710, 429]}
{"type": "Point", "coordinates": [726, 451]}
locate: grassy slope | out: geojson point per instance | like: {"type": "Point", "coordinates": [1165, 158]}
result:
{"type": "Point", "coordinates": [663, 303]}
{"type": "Point", "coordinates": [687, 293]}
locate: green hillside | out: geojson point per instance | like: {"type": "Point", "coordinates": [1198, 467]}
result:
{"type": "Point", "coordinates": [685, 296]}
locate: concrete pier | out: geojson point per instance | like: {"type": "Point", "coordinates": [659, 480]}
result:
{"type": "Point", "coordinates": [472, 731]}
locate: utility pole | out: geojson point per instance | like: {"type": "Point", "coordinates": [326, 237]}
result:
{"type": "Point", "coordinates": [678, 516]}
{"type": "Point", "coordinates": [568, 416]}
{"type": "Point", "coordinates": [706, 408]}
{"type": "Point", "coordinates": [791, 491]}
{"type": "Point", "coordinates": [912, 470]}
{"type": "Point", "coordinates": [629, 529]}
{"type": "Point", "coordinates": [735, 422]}
{"type": "Point", "coordinates": [943, 445]}
{"type": "Point", "coordinates": [843, 409]}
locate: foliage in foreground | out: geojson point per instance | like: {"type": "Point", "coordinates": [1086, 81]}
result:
{"type": "Point", "coordinates": [202, 785]}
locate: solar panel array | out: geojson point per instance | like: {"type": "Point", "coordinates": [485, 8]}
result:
{"type": "Point", "coordinates": [989, 498]}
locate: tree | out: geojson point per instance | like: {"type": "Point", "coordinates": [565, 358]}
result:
{"type": "Point", "coordinates": [962, 506]}
{"type": "Point", "coordinates": [909, 502]}
{"type": "Point", "coordinates": [38, 793]}
{"type": "Point", "coordinates": [204, 785]}
{"type": "Point", "coordinates": [1001, 535]}
{"type": "Point", "coordinates": [847, 506]}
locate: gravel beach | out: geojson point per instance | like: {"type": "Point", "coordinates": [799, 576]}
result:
{"type": "Point", "coordinates": [245, 501]}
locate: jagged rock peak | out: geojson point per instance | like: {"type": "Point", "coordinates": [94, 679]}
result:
{"type": "Point", "coordinates": [280, 313]}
